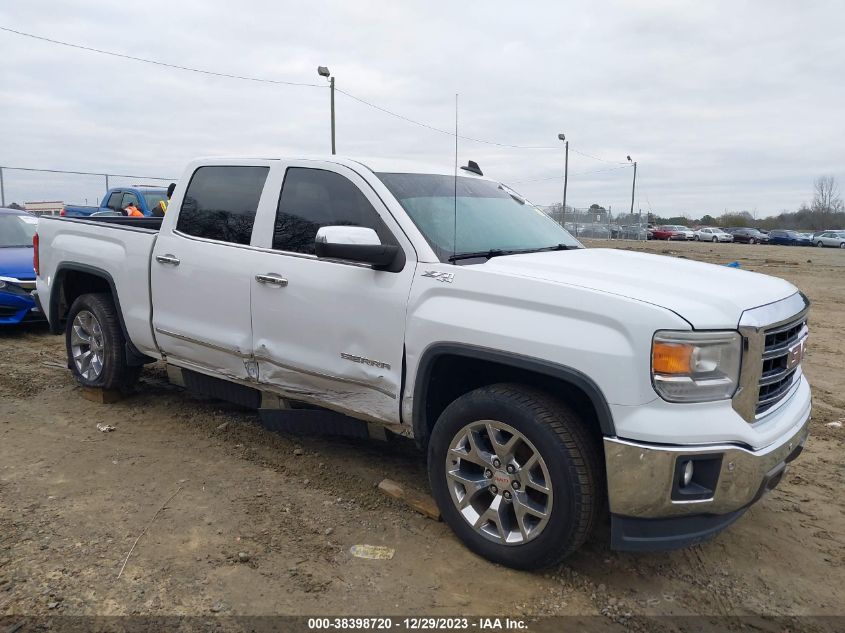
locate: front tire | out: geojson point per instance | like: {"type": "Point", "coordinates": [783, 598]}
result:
{"type": "Point", "coordinates": [516, 475]}
{"type": "Point", "coordinates": [95, 344]}
{"type": "Point", "coordinates": [819, 244]}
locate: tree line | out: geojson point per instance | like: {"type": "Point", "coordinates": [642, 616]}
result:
{"type": "Point", "coordinates": [826, 211]}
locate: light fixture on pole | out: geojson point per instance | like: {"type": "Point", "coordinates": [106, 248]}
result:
{"type": "Point", "coordinates": [562, 137]}
{"type": "Point", "coordinates": [633, 189]}
{"type": "Point", "coordinates": [323, 71]}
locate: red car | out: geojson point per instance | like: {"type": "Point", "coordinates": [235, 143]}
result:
{"type": "Point", "coordinates": [668, 232]}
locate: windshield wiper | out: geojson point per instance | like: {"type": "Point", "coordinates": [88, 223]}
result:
{"type": "Point", "coordinates": [493, 252]}
{"type": "Point", "coordinates": [497, 252]}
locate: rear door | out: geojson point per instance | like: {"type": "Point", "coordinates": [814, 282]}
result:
{"type": "Point", "coordinates": [200, 281]}
{"type": "Point", "coordinates": [329, 331]}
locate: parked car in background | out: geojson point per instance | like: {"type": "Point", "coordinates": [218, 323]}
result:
{"type": "Point", "coordinates": [835, 239]}
{"type": "Point", "coordinates": [708, 234]}
{"type": "Point", "coordinates": [672, 232]}
{"type": "Point", "coordinates": [749, 236]}
{"type": "Point", "coordinates": [117, 199]}
{"type": "Point", "coordinates": [789, 238]}
{"type": "Point", "coordinates": [634, 232]}
{"type": "Point", "coordinates": [597, 231]}
{"type": "Point", "coordinates": [17, 275]}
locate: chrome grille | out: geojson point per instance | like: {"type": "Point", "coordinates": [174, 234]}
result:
{"type": "Point", "coordinates": [777, 377]}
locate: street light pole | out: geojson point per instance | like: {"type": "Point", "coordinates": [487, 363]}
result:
{"type": "Point", "coordinates": [323, 71]}
{"type": "Point", "coordinates": [633, 189]}
{"type": "Point", "coordinates": [562, 137]}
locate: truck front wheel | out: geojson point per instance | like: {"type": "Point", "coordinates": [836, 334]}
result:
{"type": "Point", "coordinates": [96, 345]}
{"type": "Point", "coordinates": [516, 475]}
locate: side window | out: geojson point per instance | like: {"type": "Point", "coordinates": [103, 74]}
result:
{"type": "Point", "coordinates": [312, 198]}
{"type": "Point", "coordinates": [220, 203]}
{"type": "Point", "coordinates": [114, 201]}
{"type": "Point", "coordinates": [129, 198]}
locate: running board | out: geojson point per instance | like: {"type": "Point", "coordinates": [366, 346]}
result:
{"type": "Point", "coordinates": [314, 422]}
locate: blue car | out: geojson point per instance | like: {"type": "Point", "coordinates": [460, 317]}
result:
{"type": "Point", "coordinates": [17, 276]}
{"type": "Point", "coordinates": [789, 238]}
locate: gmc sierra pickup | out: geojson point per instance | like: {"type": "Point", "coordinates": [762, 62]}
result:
{"type": "Point", "coordinates": [548, 382]}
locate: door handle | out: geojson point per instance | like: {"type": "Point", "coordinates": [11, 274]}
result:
{"type": "Point", "coordinates": [272, 279]}
{"type": "Point", "coordinates": [167, 259]}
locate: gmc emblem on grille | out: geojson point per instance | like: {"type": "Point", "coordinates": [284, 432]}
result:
{"type": "Point", "coordinates": [796, 353]}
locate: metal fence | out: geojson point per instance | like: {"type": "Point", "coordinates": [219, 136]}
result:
{"type": "Point", "coordinates": [45, 191]}
{"type": "Point", "coordinates": [600, 223]}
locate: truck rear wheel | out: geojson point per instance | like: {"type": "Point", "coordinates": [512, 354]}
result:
{"type": "Point", "coordinates": [96, 345]}
{"type": "Point", "coordinates": [515, 475]}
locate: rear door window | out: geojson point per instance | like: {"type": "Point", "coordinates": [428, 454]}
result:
{"type": "Point", "coordinates": [114, 201]}
{"type": "Point", "coordinates": [129, 198]}
{"type": "Point", "coordinates": [221, 201]}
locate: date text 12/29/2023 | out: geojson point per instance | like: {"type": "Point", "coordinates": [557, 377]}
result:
{"type": "Point", "coordinates": [418, 623]}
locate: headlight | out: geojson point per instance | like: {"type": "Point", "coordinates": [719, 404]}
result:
{"type": "Point", "coordinates": [695, 366]}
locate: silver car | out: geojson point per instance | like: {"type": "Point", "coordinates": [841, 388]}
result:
{"type": "Point", "coordinates": [713, 235]}
{"type": "Point", "coordinates": [830, 238]}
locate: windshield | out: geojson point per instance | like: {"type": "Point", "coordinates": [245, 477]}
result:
{"type": "Point", "coordinates": [152, 198]}
{"type": "Point", "coordinates": [490, 217]}
{"type": "Point", "coordinates": [17, 230]}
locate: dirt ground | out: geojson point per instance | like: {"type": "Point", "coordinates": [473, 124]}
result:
{"type": "Point", "coordinates": [262, 524]}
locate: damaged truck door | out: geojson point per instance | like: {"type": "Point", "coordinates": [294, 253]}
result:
{"type": "Point", "coordinates": [329, 330]}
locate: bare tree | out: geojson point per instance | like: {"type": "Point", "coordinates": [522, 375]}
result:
{"type": "Point", "coordinates": [826, 196]}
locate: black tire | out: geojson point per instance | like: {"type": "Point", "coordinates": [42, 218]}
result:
{"type": "Point", "coordinates": [752, 241]}
{"type": "Point", "coordinates": [570, 453]}
{"type": "Point", "coordinates": [115, 373]}
{"type": "Point", "coordinates": [715, 239]}
{"type": "Point", "coordinates": [842, 245]}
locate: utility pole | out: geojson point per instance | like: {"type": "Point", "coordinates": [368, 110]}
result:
{"type": "Point", "coordinates": [107, 182]}
{"type": "Point", "coordinates": [634, 185]}
{"type": "Point", "coordinates": [562, 137]}
{"type": "Point", "coordinates": [2, 190]}
{"type": "Point", "coordinates": [323, 71]}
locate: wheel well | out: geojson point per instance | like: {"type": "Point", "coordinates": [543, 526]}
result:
{"type": "Point", "coordinates": [73, 284]}
{"type": "Point", "coordinates": [448, 376]}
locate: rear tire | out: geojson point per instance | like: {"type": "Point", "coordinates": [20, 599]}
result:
{"type": "Point", "coordinates": [752, 241]}
{"type": "Point", "coordinates": [95, 344]}
{"type": "Point", "coordinates": [715, 239]}
{"type": "Point", "coordinates": [491, 454]}
{"type": "Point", "coordinates": [842, 245]}
{"type": "Point", "coordinates": [820, 245]}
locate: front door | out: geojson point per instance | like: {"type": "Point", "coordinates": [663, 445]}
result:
{"type": "Point", "coordinates": [329, 332]}
{"type": "Point", "coordinates": [200, 283]}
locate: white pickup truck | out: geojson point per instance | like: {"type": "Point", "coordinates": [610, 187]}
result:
{"type": "Point", "coordinates": [549, 382]}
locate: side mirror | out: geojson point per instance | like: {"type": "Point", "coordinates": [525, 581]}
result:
{"type": "Point", "coordinates": [355, 244]}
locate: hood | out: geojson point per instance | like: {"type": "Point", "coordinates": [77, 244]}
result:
{"type": "Point", "coordinates": [708, 296]}
{"type": "Point", "coordinates": [16, 262]}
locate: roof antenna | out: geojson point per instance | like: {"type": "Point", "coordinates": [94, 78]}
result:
{"type": "Point", "coordinates": [455, 224]}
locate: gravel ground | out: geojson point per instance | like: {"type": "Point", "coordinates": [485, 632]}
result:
{"type": "Point", "coordinates": [262, 524]}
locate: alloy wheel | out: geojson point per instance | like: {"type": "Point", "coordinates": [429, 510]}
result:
{"type": "Point", "coordinates": [499, 482]}
{"type": "Point", "coordinates": [87, 345]}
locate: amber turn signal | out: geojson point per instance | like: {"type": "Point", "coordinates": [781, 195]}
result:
{"type": "Point", "coordinates": [671, 358]}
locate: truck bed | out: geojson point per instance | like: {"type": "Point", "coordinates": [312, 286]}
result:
{"type": "Point", "coordinates": [114, 248]}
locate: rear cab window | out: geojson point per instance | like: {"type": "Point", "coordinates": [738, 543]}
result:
{"type": "Point", "coordinates": [221, 201]}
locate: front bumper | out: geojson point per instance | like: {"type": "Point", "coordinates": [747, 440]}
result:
{"type": "Point", "coordinates": [641, 477]}
{"type": "Point", "coordinates": [16, 308]}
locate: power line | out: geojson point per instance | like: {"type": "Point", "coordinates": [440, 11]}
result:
{"type": "Point", "coordinates": [580, 173]}
{"type": "Point", "coordinates": [86, 173]}
{"type": "Point", "coordinates": [295, 83]}
{"type": "Point", "coordinates": [158, 63]}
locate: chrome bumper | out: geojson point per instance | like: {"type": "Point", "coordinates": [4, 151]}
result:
{"type": "Point", "coordinates": [641, 477]}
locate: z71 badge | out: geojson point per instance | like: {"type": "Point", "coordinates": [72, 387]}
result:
{"type": "Point", "coordinates": [446, 278]}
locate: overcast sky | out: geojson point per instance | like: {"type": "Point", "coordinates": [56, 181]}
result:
{"type": "Point", "coordinates": [725, 105]}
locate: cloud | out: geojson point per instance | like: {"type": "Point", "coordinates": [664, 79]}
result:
{"type": "Point", "coordinates": [725, 105]}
